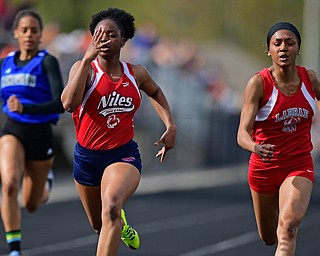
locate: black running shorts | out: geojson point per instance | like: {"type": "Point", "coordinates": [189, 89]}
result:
{"type": "Point", "coordinates": [37, 139]}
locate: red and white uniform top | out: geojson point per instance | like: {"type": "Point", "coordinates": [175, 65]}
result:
{"type": "Point", "coordinates": [104, 119]}
{"type": "Point", "coordinates": [284, 121]}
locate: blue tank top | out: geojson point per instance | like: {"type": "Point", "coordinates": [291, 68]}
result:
{"type": "Point", "coordinates": [30, 84]}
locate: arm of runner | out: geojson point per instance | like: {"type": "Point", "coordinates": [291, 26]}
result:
{"type": "Point", "coordinates": [315, 82]}
{"type": "Point", "coordinates": [80, 74]}
{"type": "Point", "coordinates": [253, 94]}
{"type": "Point", "coordinates": [52, 69]}
{"type": "Point", "coordinates": [161, 106]}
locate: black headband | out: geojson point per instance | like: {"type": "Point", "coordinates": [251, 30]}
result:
{"type": "Point", "coordinates": [286, 26]}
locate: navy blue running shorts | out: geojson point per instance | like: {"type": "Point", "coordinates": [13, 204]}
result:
{"type": "Point", "coordinates": [37, 139]}
{"type": "Point", "coordinates": [89, 165]}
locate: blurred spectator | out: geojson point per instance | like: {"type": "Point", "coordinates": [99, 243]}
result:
{"type": "Point", "coordinates": [145, 39]}
{"type": "Point", "coordinates": [50, 32]}
{"type": "Point", "coordinates": [8, 12]}
{"type": "Point", "coordinates": [6, 15]}
{"type": "Point", "coordinates": [163, 54]}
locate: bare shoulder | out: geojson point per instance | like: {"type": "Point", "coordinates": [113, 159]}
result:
{"type": "Point", "coordinates": [255, 85]}
{"type": "Point", "coordinates": [313, 75]}
{"type": "Point", "coordinates": [139, 70]}
{"type": "Point", "coordinates": [315, 82]}
{"type": "Point", "coordinates": [75, 67]}
{"type": "Point", "coordinates": [141, 73]}
{"type": "Point", "coordinates": [256, 80]}
{"type": "Point", "coordinates": [76, 64]}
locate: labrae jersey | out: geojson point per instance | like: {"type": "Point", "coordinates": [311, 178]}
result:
{"type": "Point", "coordinates": [104, 119]}
{"type": "Point", "coordinates": [29, 83]}
{"type": "Point", "coordinates": [284, 121]}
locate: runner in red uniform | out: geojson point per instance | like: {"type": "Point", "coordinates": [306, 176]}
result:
{"type": "Point", "coordinates": [275, 124]}
{"type": "Point", "coordinates": [112, 107]}
{"type": "Point", "coordinates": [103, 94]}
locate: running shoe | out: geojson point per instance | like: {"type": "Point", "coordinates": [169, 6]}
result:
{"type": "Point", "coordinates": [129, 236]}
{"type": "Point", "coordinates": [14, 253]}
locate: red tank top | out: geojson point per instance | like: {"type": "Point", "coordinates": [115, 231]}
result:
{"type": "Point", "coordinates": [104, 120]}
{"type": "Point", "coordinates": [284, 121]}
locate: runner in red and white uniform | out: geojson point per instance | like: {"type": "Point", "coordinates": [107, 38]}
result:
{"type": "Point", "coordinates": [275, 124]}
{"type": "Point", "coordinates": [103, 94]}
{"type": "Point", "coordinates": [104, 120]}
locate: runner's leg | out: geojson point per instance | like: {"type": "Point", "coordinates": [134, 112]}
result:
{"type": "Point", "coordinates": [119, 182]}
{"type": "Point", "coordinates": [295, 193]}
{"type": "Point", "coordinates": [12, 162]}
{"type": "Point", "coordinates": [266, 214]}
{"type": "Point", "coordinates": [35, 193]}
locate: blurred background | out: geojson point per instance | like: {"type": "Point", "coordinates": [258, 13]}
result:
{"type": "Point", "coordinates": [201, 53]}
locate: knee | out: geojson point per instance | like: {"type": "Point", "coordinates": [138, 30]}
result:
{"type": "Point", "coordinates": [31, 206]}
{"type": "Point", "coordinates": [111, 212]}
{"type": "Point", "coordinates": [269, 241]}
{"type": "Point", "coordinates": [288, 229]}
{"type": "Point", "coordinates": [111, 208]}
{"type": "Point", "coordinates": [96, 225]}
{"type": "Point", "coordinates": [10, 187]}
{"type": "Point", "coordinates": [268, 235]}
{"type": "Point", "coordinates": [96, 230]}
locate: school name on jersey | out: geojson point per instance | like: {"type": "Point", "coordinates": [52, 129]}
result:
{"type": "Point", "coordinates": [19, 79]}
{"type": "Point", "coordinates": [115, 103]}
{"type": "Point", "coordinates": [292, 112]}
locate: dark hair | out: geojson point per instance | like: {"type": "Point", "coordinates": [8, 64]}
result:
{"type": "Point", "coordinates": [24, 13]}
{"type": "Point", "coordinates": [286, 26]}
{"type": "Point", "coordinates": [123, 19]}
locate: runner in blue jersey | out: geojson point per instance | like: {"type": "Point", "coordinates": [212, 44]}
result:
{"type": "Point", "coordinates": [31, 86]}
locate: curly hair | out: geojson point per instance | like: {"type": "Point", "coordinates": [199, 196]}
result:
{"type": "Point", "coordinates": [123, 19]}
{"type": "Point", "coordinates": [25, 13]}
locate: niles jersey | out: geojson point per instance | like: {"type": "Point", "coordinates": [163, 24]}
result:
{"type": "Point", "coordinates": [284, 121]}
{"type": "Point", "coordinates": [104, 120]}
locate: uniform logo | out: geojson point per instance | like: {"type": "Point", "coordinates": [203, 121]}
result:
{"type": "Point", "coordinates": [115, 103]}
{"type": "Point", "coordinates": [19, 79]}
{"type": "Point", "coordinates": [129, 159]}
{"type": "Point", "coordinates": [125, 84]}
{"type": "Point", "coordinates": [7, 71]}
{"type": "Point", "coordinates": [291, 124]}
{"type": "Point", "coordinates": [291, 117]}
{"type": "Point", "coordinates": [112, 121]}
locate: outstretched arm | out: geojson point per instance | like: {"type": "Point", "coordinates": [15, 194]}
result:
{"type": "Point", "coordinates": [161, 106]}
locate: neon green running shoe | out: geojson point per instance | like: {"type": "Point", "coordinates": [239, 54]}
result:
{"type": "Point", "coordinates": [129, 236]}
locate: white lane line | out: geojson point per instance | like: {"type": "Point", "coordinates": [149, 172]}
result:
{"type": "Point", "coordinates": [245, 238]}
{"type": "Point", "coordinates": [194, 219]}
{"type": "Point", "coordinates": [63, 246]}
